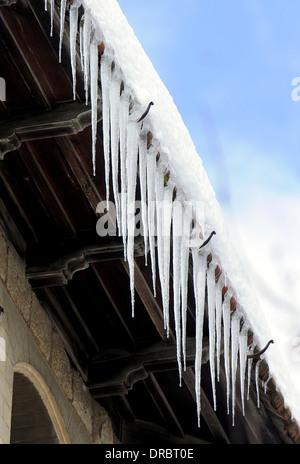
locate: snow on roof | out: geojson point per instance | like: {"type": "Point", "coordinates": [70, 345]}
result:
{"type": "Point", "coordinates": [186, 169]}
{"type": "Point", "coordinates": [174, 139]}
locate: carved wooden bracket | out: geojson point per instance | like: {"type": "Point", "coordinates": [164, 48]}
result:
{"type": "Point", "coordinates": [117, 371]}
{"type": "Point", "coordinates": [64, 119]}
{"type": "Point", "coordinates": [7, 2]}
{"type": "Point", "coordinates": [56, 266]}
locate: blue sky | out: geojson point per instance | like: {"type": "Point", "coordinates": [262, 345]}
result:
{"type": "Point", "coordinates": [229, 67]}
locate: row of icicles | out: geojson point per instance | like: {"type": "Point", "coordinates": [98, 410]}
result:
{"type": "Point", "coordinates": [129, 153]}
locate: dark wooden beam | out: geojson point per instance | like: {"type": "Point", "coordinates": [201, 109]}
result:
{"type": "Point", "coordinates": [20, 59]}
{"type": "Point", "coordinates": [11, 231]}
{"type": "Point", "coordinates": [114, 298]}
{"type": "Point", "coordinates": [207, 411]}
{"type": "Point", "coordinates": [55, 264]}
{"type": "Point", "coordinates": [149, 433]}
{"type": "Point", "coordinates": [67, 332]}
{"type": "Point", "coordinates": [114, 372]}
{"type": "Point", "coordinates": [43, 19]}
{"type": "Point", "coordinates": [64, 119]}
{"type": "Point", "coordinates": [163, 406]}
{"type": "Point", "coordinates": [75, 163]}
{"type": "Point", "coordinates": [151, 304]}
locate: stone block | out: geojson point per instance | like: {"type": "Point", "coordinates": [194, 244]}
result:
{"type": "Point", "coordinates": [18, 286]}
{"type": "Point", "coordinates": [41, 327]}
{"type": "Point", "coordinates": [60, 365]}
{"type": "Point", "coordinates": [102, 427]}
{"type": "Point", "coordinates": [3, 258]}
{"type": "Point", "coordinates": [82, 401]}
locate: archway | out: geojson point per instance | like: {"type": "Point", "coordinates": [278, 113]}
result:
{"type": "Point", "coordinates": [35, 416]}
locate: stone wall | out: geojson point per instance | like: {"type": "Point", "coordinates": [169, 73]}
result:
{"type": "Point", "coordinates": [31, 340]}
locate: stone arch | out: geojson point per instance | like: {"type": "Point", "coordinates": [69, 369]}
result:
{"type": "Point", "coordinates": [27, 376]}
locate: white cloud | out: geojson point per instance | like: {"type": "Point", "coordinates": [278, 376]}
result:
{"type": "Point", "coordinates": [267, 235]}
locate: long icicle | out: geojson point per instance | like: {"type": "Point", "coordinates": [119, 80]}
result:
{"type": "Point", "coordinates": [124, 114]}
{"type": "Point", "coordinates": [63, 5]}
{"type": "Point", "coordinates": [94, 65]}
{"type": "Point", "coordinates": [87, 30]}
{"type": "Point", "coordinates": [226, 334]}
{"type": "Point", "coordinates": [159, 199]}
{"type": "Point", "coordinates": [235, 332]}
{"type": "Point", "coordinates": [184, 271]}
{"type": "Point", "coordinates": [167, 219]}
{"type": "Point", "coordinates": [249, 369]}
{"type": "Point", "coordinates": [177, 230]}
{"type": "Point", "coordinates": [115, 136]}
{"type": "Point", "coordinates": [81, 43]}
{"type": "Point", "coordinates": [132, 157]}
{"type": "Point", "coordinates": [143, 186]}
{"type": "Point", "coordinates": [243, 342]}
{"type": "Point", "coordinates": [106, 62]}
{"type": "Point", "coordinates": [73, 36]}
{"type": "Point", "coordinates": [257, 382]}
{"type": "Point", "coordinates": [199, 277]}
{"type": "Point", "coordinates": [219, 303]}
{"type": "Point", "coordinates": [211, 303]}
{"type": "Point", "coordinates": [151, 175]}
{"type": "Point", "coordinates": [51, 17]}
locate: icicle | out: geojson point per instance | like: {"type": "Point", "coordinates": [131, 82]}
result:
{"type": "Point", "coordinates": [46, 6]}
{"type": "Point", "coordinates": [167, 218]}
{"type": "Point", "coordinates": [133, 130]}
{"type": "Point", "coordinates": [177, 230]}
{"type": "Point", "coordinates": [235, 331]}
{"type": "Point", "coordinates": [63, 5]}
{"type": "Point", "coordinates": [185, 254]}
{"type": "Point", "coordinates": [115, 136]}
{"type": "Point", "coordinates": [81, 42]}
{"type": "Point", "coordinates": [143, 186]}
{"type": "Point", "coordinates": [87, 30]}
{"type": "Point", "coordinates": [163, 212]}
{"type": "Point", "coordinates": [106, 62]}
{"type": "Point", "coordinates": [266, 383]}
{"type": "Point", "coordinates": [159, 197]}
{"type": "Point", "coordinates": [94, 65]}
{"type": "Point", "coordinates": [199, 278]}
{"type": "Point", "coordinates": [73, 36]}
{"type": "Point", "coordinates": [243, 361]}
{"type": "Point", "coordinates": [211, 302]}
{"type": "Point", "coordinates": [257, 381]}
{"type": "Point", "coordinates": [124, 112]}
{"type": "Point", "coordinates": [151, 175]}
{"type": "Point", "coordinates": [51, 16]}
{"type": "Point", "coordinates": [226, 334]}
{"type": "Point", "coordinates": [219, 302]}
{"type": "Point", "coordinates": [249, 369]}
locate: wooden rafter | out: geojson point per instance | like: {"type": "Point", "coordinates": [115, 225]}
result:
{"type": "Point", "coordinates": [63, 119]}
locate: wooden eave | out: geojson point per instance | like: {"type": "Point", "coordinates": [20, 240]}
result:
{"type": "Point", "coordinates": [48, 201]}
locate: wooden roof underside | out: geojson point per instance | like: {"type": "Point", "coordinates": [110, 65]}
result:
{"type": "Point", "coordinates": [48, 201]}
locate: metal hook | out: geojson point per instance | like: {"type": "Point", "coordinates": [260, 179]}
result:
{"type": "Point", "coordinates": [208, 239]}
{"type": "Point", "coordinates": [252, 356]}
